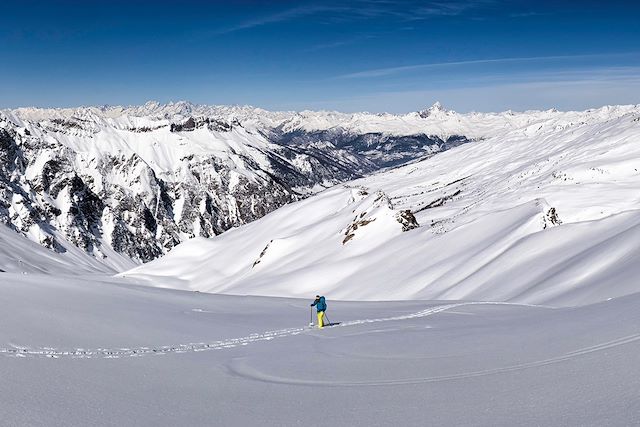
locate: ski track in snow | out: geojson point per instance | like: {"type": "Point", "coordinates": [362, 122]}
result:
{"type": "Point", "coordinates": [237, 368]}
{"type": "Point", "coordinates": [24, 351]}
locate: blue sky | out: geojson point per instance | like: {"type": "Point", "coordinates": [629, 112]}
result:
{"type": "Point", "coordinates": [374, 55]}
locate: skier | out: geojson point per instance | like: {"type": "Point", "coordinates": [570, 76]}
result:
{"type": "Point", "coordinates": [321, 306]}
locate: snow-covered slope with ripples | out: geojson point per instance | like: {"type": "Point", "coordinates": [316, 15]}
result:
{"type": "Point", "coordinates": [544, 209]}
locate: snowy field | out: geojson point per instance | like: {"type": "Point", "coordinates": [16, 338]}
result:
{"type": "Point", "coordinates": [94, 351]}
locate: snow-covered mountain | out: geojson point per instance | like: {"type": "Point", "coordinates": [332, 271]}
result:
{"type": "Point", "coordinates": [137, 181]}
{"type": "Point", "coordinates": [544, 209]}
{"type": "Point", "coordinates": [541, 208]}
{"type": "Point", "coordinates": [127, 184]}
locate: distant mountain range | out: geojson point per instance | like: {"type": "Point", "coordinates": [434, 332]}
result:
{"type": "Point", "coordinates": [127, 184]}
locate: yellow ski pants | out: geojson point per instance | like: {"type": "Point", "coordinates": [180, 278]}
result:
{"type": "Point", "coordinates": [320, 319]}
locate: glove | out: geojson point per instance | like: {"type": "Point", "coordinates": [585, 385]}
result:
{"type": "Point", "coordinates": [310, 305]}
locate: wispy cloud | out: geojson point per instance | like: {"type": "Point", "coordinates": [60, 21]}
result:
{"type": "Point", "coordinates": [382, 72]}
{"type": "Point", "coordinates": [526, 14]}
{"type": "Point", "coordinates": [453, 8]}
{"type": "Point", "coordinates": [285, 15]}
{"type": "Point", "coordinates": [563, 90]}
{"type": "Point", "coordinates": [362, 10]}
{"type": "Point", "coordinates": [340, 43]}
{"type": "Point", "coordinates": [407, 12]}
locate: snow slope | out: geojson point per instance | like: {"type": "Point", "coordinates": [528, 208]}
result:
{"type": "Point", "coordinates": [545, 211]}
{"type": "Point", "coordinates": [83, 351]}
{"type": "Point", "coordinates": [23, 256]}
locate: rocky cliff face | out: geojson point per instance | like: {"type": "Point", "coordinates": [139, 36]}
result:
{"type": "Point", "coordinates": [138, 181]}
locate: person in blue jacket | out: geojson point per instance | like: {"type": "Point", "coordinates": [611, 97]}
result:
{"type": "Point", "coordinates": [321, 306]}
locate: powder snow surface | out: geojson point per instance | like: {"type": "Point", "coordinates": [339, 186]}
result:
{"type": "Point", "coordinates": [90, 351]}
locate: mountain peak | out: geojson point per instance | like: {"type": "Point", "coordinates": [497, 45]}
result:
{"type": "Point", "coordinates": [434, 109]}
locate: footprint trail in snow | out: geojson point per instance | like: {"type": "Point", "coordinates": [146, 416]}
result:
{"type": "Point", "coordinates": [23, 351]}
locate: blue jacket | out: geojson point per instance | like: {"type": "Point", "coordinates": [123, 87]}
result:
{"type": "Point", "coordinates": [320, 304]}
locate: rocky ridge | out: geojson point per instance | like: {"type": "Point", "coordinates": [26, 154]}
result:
{"type": "Point", "coordinates": [137, 181]}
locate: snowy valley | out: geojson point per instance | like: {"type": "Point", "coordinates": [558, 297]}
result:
{"type": "Point", "coordinates": [128, 184]}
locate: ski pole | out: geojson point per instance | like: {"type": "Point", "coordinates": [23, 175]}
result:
{"type": "Point", "coordinates": [328, 321]}
{"type": "Point", "coordinates": [310, 316]}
